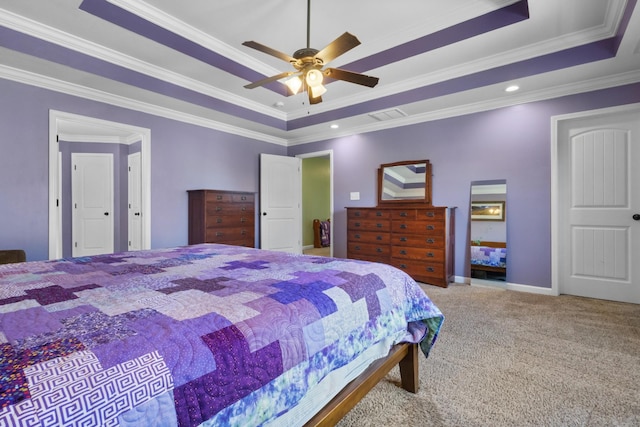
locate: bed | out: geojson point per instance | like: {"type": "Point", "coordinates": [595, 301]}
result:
{"type": "Point", "coordinates": [203, 335]}
{"type": "Point", "coordinates": [489, 258]}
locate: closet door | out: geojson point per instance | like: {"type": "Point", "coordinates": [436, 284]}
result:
{"type": "Point", "coordinates": [280, 203]}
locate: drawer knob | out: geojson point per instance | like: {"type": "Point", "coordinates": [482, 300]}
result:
{"type": "Point", "coordinates": [218, 197]}
{"type": "Point", "coordinates": [218, 220]}
{"type": "Point", "coordinates": [378, 213]}
{"type": "Point", "coordinates": [243, 232]}
{"type": "Point", "coordinates": [357, 224]}
{"type": "Point", "coordinates": [357, 236]}
{"type": "Point", "coordinates": [430, 227]}
{"type": "Point", "coordinates": [403, 252]}
{"type": "Point", "coordinates": [403, 226]}
{"type": "Point", "coordinates": [403, 265]}
{"type": "Point", "coordinates": [431, 214]}
{"type": "Point", "coordinates": [244, 209]}
{"type": "Point", "coordinates": [429, 254]}
{"type": "Point", "coordinates": [243, 198]}
{"type": "Point", "coordinates": [243, 219]}
{"type": "Point", "coordinates": [403, 239]}
{"type": "Point", "coordinates": [218, 234]}
{"type": "Point", "coordinates": [357, 248]}
{"type": "Point", "coordinates": [403, 214]}
{"type": "Point", "coordinates": [430, 241]}
{"type": "Point", "coordinates": [430, 269]}
{"type": "Point", "coordinates": [218, 208]}
{"type": "Point", "coordinates": [378, 237]}
{"type": "Point", "coordinates": [379, 250]}
{"type": "Point", "coordinates": [357, 213]}
{"type": "Point", "coordinates": [379, 225]}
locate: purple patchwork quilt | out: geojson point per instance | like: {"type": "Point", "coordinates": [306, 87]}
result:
{"type": "Point", "coordinates": [197, 335]}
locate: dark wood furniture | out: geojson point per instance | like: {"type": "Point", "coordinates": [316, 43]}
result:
{"type": "Point", "coordinates": [404, 355]}
{"type": "Point", "coordinates": [10, 256]}
{"type": "Point", "coordinates": [417, 239]}
{"type": "Point", "coordinates": [217, 216]}
{"type": "Point", "coordinates": [405, 229]}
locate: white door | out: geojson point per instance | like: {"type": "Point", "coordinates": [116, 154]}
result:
{"type": "Point", "coordinates": [280, 203]}
{"type": "Point", "coordinates": [92, 202]}
{"type": "Point", "coordinates": [599, 206]}
{"type": "Point", "coordinates": [135, 201]}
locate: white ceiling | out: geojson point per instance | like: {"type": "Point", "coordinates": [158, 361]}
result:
{"type": "Point", "coordinates": [428, 85]}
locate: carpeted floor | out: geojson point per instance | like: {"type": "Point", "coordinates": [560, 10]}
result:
{"type": "Point", "coordinates": [508, 358]}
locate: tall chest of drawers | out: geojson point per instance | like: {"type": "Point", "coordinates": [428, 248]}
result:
{"type": "Point", "coordinates": [217, 216]}
{"type": "Point", "coordinates": [418, 240]}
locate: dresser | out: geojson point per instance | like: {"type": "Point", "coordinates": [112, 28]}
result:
{"type": "Point", "coordinates": [418, 239]}
{"type": "Point", "coordinates": [217, 216]}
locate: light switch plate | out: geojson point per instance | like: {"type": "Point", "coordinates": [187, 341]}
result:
{"type": "Point", "coordinates": [355, 195]}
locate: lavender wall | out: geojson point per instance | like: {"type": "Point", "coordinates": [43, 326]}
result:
{"type": "Point", "coordinates": [511, 143]}
{"type": "Point", "coordinates": [183, 157]}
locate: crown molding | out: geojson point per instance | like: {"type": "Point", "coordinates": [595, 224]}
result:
{"type": "Point", "coordinates": [181, 28]}
{"type": "Point", "coordinates": [66, 40]}
{"type": "Point", "coordinates": [33, 79]}
{"type": "Point", "coordinates": [533, 96]}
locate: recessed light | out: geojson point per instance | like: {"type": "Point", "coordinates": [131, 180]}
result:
{"type": "Point", "coordinates": [335, 126]}
{"type": "Point", "coordinates": [512, 88]}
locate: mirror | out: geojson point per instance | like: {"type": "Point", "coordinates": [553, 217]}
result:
{"type": "Point", "coordinates": [406, 182]}
{"type": "Point", "coordinates": [488, 232]}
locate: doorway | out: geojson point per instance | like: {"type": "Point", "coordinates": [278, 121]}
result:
{"type": "Point", "coordinates": [596, 204]}
{"type": "Point", "coordinates": [75, 128]}
{"type": "Point", "coordinates": [317, 201]}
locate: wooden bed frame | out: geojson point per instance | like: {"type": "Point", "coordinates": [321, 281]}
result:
{"type": "Point", "coordinates": [489, 267]}
{"type": "Point", "coordinates": [405, 355]}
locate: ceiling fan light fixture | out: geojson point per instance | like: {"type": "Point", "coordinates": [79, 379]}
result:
{"type": "Point", "coordinates": [317, 90]}
{"type": "Point", "coordinates": [294, 84]}
{"type": "Point", "coordinates": [314, 78]}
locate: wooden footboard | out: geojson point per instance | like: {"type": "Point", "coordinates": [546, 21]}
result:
{"type": "Point", "coordinates": [405, 355]}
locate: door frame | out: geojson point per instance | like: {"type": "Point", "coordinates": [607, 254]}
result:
{"type": "Point", "coordinates": [324, 153]}
{"type": "Point", "coordinates": [135, 134]}
{"type": "Point", "coordinates": [556, 232]}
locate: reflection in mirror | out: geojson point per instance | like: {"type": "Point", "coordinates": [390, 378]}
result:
{"type": "Point", "coordinates": [488, 232]}
{"type": "Point", "coordinates": [404, 182]}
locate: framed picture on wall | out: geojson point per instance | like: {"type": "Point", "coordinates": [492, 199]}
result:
{"type": "Point", "coordinates": [487, 211]}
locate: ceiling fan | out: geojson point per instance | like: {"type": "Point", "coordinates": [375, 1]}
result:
{"type": "Point", "coordinates": [308, 63]}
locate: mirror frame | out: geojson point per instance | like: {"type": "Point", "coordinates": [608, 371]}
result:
{"type": "Point", "coordinates": [427, 186]}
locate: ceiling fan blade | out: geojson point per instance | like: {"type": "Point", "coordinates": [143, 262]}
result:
{"type": "Point", "coordinates": [269, 79]}
{"type": "Point", "coordinates": [351, 77]}
{"type": "Point", "coordinates": [342, 44]}
{"type": "Point", "coordinates": [316, 100]}
{"type": "Point", "coordinates": [269, 51]}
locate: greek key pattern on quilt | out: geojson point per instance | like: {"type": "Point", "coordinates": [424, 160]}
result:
{"type": "Point", "coordinates": [85, 394]}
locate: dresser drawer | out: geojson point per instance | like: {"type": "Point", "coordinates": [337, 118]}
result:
{"type": "Point", "coordinates": [418, 241]}
{"type": "Point", "coordinates": [221, 197]}
{"type": "Point", "coordinates": [219, 208]}
{"type": "Point", "coordinates": [382, 238]}
{"type": "Point", "coordinates": [368, 249]}
{"type": "Point", "coordinates": [225, 221]}
{"type": "Point", "coordinates": [369, 224]}
{"type": "Point", "coordinates": [228, 234]}
{"type": "Point", "coordinates": [419, 214]}
{"type": "Point", "coordinates": [409, 253]}
{"type": "Point", "coordinates": [367, 214]}
{"type": "Point", "coordinates": [418, 227]}
{"type": "Point", "coordinates": [424, 270]}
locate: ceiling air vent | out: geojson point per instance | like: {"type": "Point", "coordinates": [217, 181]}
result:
{"type": "Point", "coordinates": [394, 113]}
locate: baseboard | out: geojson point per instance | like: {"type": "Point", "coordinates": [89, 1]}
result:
{"type": "Point", "coordinates": [508, 286]}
